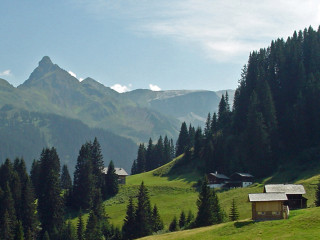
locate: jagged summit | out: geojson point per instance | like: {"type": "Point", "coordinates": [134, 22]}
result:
{"type": "Point", "coordinates": [45, 61]}
{"type": "Point", "coordinates": [46, 71]}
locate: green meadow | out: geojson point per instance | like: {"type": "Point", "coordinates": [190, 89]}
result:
{"type": "Point", "coordinates": [174, 191]}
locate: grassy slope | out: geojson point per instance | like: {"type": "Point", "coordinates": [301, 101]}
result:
{"type": "Point", "coordinates": [303, 224]}
{"type": "Point", "coordinates": [176, 192]}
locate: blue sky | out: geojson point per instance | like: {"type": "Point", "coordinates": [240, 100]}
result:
{"type": "Point", "coordinates": [156, 44]}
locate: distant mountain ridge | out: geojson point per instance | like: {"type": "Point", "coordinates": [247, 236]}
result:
{"type": "Point", "coordinates": [138, 115]}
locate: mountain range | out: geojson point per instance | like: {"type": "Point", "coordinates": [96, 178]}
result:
{"type": "Point", "coordinates": [61, 111]}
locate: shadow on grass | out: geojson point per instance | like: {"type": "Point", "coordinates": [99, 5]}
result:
{"type": "Point", "coordinates": [243, 224]}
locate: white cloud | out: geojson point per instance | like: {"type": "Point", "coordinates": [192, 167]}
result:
{"type": "Point", "coordinates": [72, 74]}
{"type": "Point", "coordinates": [222, 30]}
{"type": "Point", "coordinates": [80, 79]}
{"type": "Point", "coordinates": [5, 73]}
{"type": "Point", "coordinates": [154, 87]}
{"type": "Point", "coordinates": [121, 88]}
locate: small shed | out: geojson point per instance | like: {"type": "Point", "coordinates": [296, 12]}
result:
{"type": "Point", "coordinates": [268, 206]}
{"type": "Point", "coordinates": [241, 180]}
{"type": "Point", "coordinates": [294, 194]}
{"type": "Point", "coordinates": [217, 180]}
{"type": "Point", "coordinates": [122, 174]}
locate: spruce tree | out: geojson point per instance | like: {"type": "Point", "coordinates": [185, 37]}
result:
{"type": "Point", "coordinates": [19, 235]}
{"type": "Point", "coordinates": [111, 181]}
{"type": "Point", "coordinates": [66, 182]}
{"type": "Point", "coordinates": [209, 211]}
{"type": "Point", "coordinates": [83, 181]}
{"type": "Point", "coordinates": [182, 220]}
{"type": "Point", "coordinates": [129, 226]}
{"type": "Point", "coordinates": [183, 142]}
{"type": "Point", "coordinates": [174, 225]}
{"type": "Point", "coordinates": [143, 213]}
{"type": "Point", "coordinates": [234, 214]}
{"type": "Point", "coordinates": [150, 156]}
{"type": "Point", "coordinates": [141, 159]}
{"type": "Point", "coordinates": [189, 218]}
{"type": "Point", "coordinates": [50, 201]}
{"type": "Point", "coordinates": [156, 220]}
{"type": "Point", "coordinates": [97, 164]}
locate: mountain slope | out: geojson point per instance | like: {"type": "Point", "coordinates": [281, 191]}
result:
{"type": "Point", "coordinates": [24, 134]}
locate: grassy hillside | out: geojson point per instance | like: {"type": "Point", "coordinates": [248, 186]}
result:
{"type": "Point", "coordinates": [173, 192]}
{"type": "Point", "coordinates": [302, 224]}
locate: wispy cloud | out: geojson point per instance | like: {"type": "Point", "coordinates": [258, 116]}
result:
{"type": "Point", "coordinates": [5, 73]}
{"type": "Point", "coordinates": [121, 88]}
{"type": "Point", "coordinates": [154, 87]}
{"type": "Point", "coordinates": [222, 30]}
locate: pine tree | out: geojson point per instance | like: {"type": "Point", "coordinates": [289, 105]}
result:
{"type": "Point", "coordinates": [46, 236]}
{"type": "Point", "coordinates": [19, 235]}
{"type": "Point", "coordinates": [209, 211]}
{"type": "Point", "coordinates": [34, 175]}
{"type": "Point", "coordinates": [66, 182]}
{"type": "Point", "coordinates": [183, 142]}
{"type": "Point", "coordinates": [97, 164]}
{"type": "Point", "coordinates": [173, 225]}
{"type": "Point", "coordinates": [134, 168]}
{"type": "Point", "coordinates": [80, 227]}
{"type": "Point", "coordinates": [83, 181]}
{"type": "Point", "coordinates": [141, 159]}
{"type": "Point", "coordinates": [111, 181]}
{"type": "Point", "coordinates": [182, 220]}
{"type": "Point", "coordinates": [29, 215]}
{"type": "Point", "coordinates": [128, 229]}
{"type": "Point", "coordinates": [50, 201]}
{"type": "Point", "coordinates": [317, 201]}
{"type": "Point", "coordinates": [156, 220]}
{"type": "Point", "coordinates": [234, 214]}
{"type": "Point", "coordinates": [93, 230]}
{"type": "Point", "coordinates": [189, 218]}
{"type": "Point", "coordinates": [7, 228]}
{"type": "Point", "coordinates": [143, 213]}
{"type": "Point", "coordinates": [150, 156]}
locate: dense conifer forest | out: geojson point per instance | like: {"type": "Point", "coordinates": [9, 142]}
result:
{"type": "Point", "coordinates": [274, 121]}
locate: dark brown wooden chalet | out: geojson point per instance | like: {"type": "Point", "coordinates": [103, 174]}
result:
{"type": "Point", "coordinates": [294, 194]}
{"type": "Point", "coordinates": [240, 180]}
{"type": "Point", "coordinates": [217, 180]}
{"type": "Point", "coordinates": [268, 206]}
{"type": "Point", "coordinates": [122, 174]}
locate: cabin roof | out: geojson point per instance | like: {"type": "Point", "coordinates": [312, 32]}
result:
{"type": "Point", "coordinates": [267, 197]}
{"type": "Point", "coordinates": [243, 174]}
{"type": "Point", "coordinates": [219, 175]}
{"type": "Point", "coordinates": [286, 188]}
{"type": "Point", "coordinates": [119, 171]}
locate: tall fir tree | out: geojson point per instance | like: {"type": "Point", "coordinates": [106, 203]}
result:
{"type": "Point", "coordinates": [129, 225]}
{"type": "Point", "coordinates": [182, 219]}
{"type": "Point", "coordinates": [97, 164]}
{"type": "Point", "coordinates": [50, 201]}
{"type": "Point", "coordinates": [143, 215]}
{"type": "Point", "coordinates": [234, 213]}
{"type": "Point", "coordinates": [173, 226]}
{"type": "Point", "coordinates": [80, 227]}
{"type": "Point", "coordinates": [111, 181]}
{"type": "Point", "coordinates": [66, 182]}
{"type": "Point", "coordinates": [83, 181]}
{"type": "Point", "coordinates": [183, 142]}
{"type": "Point", "coordinates": [157, 223]}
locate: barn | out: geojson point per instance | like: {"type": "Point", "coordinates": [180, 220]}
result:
{"type": "Point", "coordinates": [268, 206]}
{"type": "Point", "coordinates": [294, 194]}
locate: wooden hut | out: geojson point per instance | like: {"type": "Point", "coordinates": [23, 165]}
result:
{"type": "Point", "coordinates": [294, 194]}
{"type": "Point", "coordinates": [217, 180]}
{"type": "Point", "coordinates": [122, 174]}
{"type": "Point", "coordinates": [268, 206]}
{"type": "Point", "coordinates": [240, 180]}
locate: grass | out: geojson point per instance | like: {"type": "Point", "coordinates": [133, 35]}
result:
{"type": "Point", "coordinates": [173, 192]}
{"type": "Point", "coordinates": [303, 224]}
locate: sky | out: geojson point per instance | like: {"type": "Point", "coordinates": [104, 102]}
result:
{"type": "Point", "coordinates": [149, 44]}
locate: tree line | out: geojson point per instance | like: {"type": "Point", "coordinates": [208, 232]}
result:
{"type": "Point", "coordinates": [154, 155]}
{"type": "Point", "coordinates": [273, 122]}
